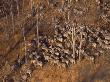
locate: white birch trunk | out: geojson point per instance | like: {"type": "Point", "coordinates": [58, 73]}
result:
{"type": "Point", "coordinates": [18, 8]}
{"type": "Point", "coordinates": [25, 48]}
{"type": "Point", "coordinates": [37, 27]}
{"type": "Point", "coordinates": [73, 41]}
{"type": "Point", "coordinates": [12, 18]}
{"type": "Point", "coordinates": [80, 46]}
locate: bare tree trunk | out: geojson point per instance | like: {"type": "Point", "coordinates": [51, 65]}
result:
{"type": "Point", "coordinates": [73, 41]}
{"type": "Point", "coordinates": [6, 30]}
{"type": "Point", "coordinates": [62, 1]}
{"type": "Point", "coordinates": [37, 28]}
{"type": "Point", "coordinates": [54, 24]}
{"type": "Point", "coordinates": [25, 48]}
{"type": "Point", "coordinates": [12, 17]}
{"type": "Point", "coordinates": [31, 4]}
{"type": "Point", "coordinates": [80, 46]}
{"type": "Point", "coordinates": [22, 6]}
{"type": "Point", "coordinates": [17, 1]}
{"type": "Point", "coordinates": [73, 31]}
{"type": "Point", "coordinates": [68, 11]}
{"type": "Point", "coordinates": [6, 18]}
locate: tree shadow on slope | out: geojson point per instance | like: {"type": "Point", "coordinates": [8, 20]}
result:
{"type": "Point", "coordinates": [87, 74]}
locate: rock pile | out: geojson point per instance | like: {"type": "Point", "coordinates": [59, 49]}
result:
{"type": "Point", "coordinates": [58, 50]}
{"type": "Point", "coordinates": [89, 44]}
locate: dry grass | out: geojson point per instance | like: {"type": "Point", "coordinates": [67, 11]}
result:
{"type": "Point", "coordinates": [84, 71]}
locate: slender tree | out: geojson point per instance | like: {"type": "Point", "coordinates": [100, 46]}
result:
{"type": "Point", "coordinates": [73, 31]}
{"type": "Point", "coordinates": [73, 40]}
{"type": "Point", "coordinates": [22, 6]}
{"type": "Point", "coordinates": [80, 46]}
{"type": "Point", "coordinates": [12, 17]}
{"type": "Point", "coordinates": [6, 18]}
{"type": "Point", "coordinates": [18, 11]}
{"type": "Point", "coordinates": [24, 38]}
{"type": "Point", "coordinates": [31, 4]}
{"type": "Point", "coordinates": [37, 28]}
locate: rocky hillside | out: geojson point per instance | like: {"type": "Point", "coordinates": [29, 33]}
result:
{"type": "Point", "coordinates": [54, 40]}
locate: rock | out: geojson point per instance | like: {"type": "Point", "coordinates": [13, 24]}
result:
{"type": "Point", "coordinates": [59, 45]}
{"type": "Point", "coordinates": [39, 63]}
{"type": "Point", "coordinates": [28, 72]}
{"type": "Point", "coordinates": [67, 51]}
{"type": "Point", "coordinates": [24, 77]}
{"type": "Point", "coordinates": [94, 45]}
{"type": "Point", "coordinates": [56, 53]}
{"type": "Point", "coordinates": [58, 49]}
{"type": "Point", "coordinates": [107, 36]}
